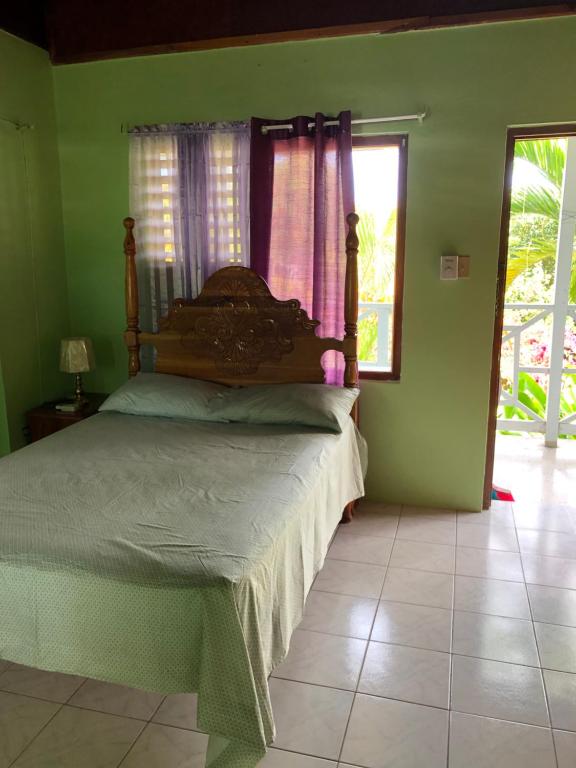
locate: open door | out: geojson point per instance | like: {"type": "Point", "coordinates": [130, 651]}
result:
{"type": "Point", "coordinates": [533, 381]}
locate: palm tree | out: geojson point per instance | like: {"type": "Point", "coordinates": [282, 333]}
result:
{"type": "Point", "coordinates": [535, 208]}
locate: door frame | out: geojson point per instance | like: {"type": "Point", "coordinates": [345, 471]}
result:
{"type": "Point", "coordinates": [550, 131]}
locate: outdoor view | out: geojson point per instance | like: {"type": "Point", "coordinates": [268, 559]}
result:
{"type": "Point", "coordinates": [376, 198]}
{"type": "Point", "coordinates": [536, 373]}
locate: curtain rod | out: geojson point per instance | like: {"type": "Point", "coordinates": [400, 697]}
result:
{"type": "Point", "coordinates": [395, 119]}
{"type": "Point", "coordinates": [18, 125]}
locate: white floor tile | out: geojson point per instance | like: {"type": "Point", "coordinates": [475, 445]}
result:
{"type": "Point", "coordinates": [494, 637]}
{"type": "Point", "coordinates": [427, 530]}
{"type": "Point", "coordinates": [561, 690]}
{"type": "Point", "coordinates": [78, 737]}
{"type": "Point", "coordinates": [502, 517]}
{"type": "Point", "coordinates": [565, 748]}
{"type": "Point", "coordinates": [277, 758]}
{"type": "Point", "coordinates": [499, 598]}
{"type": "Point", "coordinates": [51, 686]}
{"type": "Point", "coordinates": [357, 579]}
{"type": "Point", "coordinates": [408, 674]}
{"type": "Point", "coordinates": [21, 718]}
{"type": "Point", "coordinates": [422, 556]}
{"type": "Point", "coordinates": [339, 614]}
{"type": "Point", "coordinates": [367, 508]}
{"type": "Point", "coordinates": [116, 699]}
{"type": "Point", "coordinates": [179, 710]}
{"type": "Point", "coordinates": [542, 519]}
{"type": "Point", "coordinates": [405, 585]}
{"type": "Point", "coordinates": [361, 549]}
{"type": "Point", "coordinates": [488, 564]}
{"type": "Point", "coordinates": [323, 660]}
{"type": "Point", "coordinates": [550, 571]}
{"type": "Point", "coordinates": [394, 734]}
{"type": "Point", "coordinates": [160, 746]}
{"type": "Point", "coordinates": [487, 537]}
{"type": "Point", "coordinates": [557, 646]}
{"type": "Point", "coordinates": [415, 625]}
{"type": "Point", "coordinates": [378, 520]}
{"type": "Point", "coordinates": [479, 742]}
{"type": "Point", "coordinates": [309, 718]}
{"type": "Point", "coordinates": [547, 543]}
{"type": "Point", "coordinates": [553, 605]}
{"type": "Point", "coordinates": [499, 690]}
{"type": "Point", "coordinates": [429, 513]}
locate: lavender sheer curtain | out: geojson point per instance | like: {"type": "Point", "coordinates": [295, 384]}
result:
{"type": "Point", "coordinates": [301, 189]}
{"type": "Point", "coordinates": [189, 194]}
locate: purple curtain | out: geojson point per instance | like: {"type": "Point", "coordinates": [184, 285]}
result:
{"type": "Point", "coordinates": [301, 189]}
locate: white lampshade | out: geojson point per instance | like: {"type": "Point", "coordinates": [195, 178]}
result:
{"type": "Point", "coordinates": [77, 355]}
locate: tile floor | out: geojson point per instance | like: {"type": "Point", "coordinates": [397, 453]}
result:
{"type": "Point", "coordinates": [431, 639]}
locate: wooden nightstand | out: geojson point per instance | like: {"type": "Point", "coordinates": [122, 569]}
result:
{"type": "Point", "coordinates": [45, 420]}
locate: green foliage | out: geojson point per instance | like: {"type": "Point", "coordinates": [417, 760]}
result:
{"type": "Point", "coordinates": [548, 155]}
{"type": "Point", "coordinates": [376, 261]}
{"type": "Point", "coordinates": [568, 397]}
{"type": "Point", "coordinates": [535, 208]}
{"type": "Point", "coordinates": [368, 338]}
{"type": "Point", "coordinates": [376, 257]}
{"type": "Point", "coordinates": [535, 211]}
{"type": "Point", "coordinates": [541, 200]}
{"type": "Point", "coordinates": [533, 396]}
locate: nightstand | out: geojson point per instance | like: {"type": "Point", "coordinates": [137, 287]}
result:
{"type": "Point", "coordinates": [45, 420]}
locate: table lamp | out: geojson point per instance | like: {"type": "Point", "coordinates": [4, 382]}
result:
{"type": "Point", "coordinates": [77, 357]}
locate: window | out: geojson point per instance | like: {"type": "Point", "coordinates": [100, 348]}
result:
{"type": "Point", "coordinates": [189, 196]}
{"type": "Point", "coordinates": [380, 194]}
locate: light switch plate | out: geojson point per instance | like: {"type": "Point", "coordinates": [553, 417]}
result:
{"type": "Point", "coordinates": [449, 267]}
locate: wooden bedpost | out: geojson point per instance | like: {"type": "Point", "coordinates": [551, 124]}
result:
{"type": "Point", "coordinates": [131, 337]}
{"type": "Point", "coordinates": [350, 346]}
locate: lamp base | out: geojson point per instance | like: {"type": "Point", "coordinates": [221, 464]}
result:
{"type": "Point", "coordinates": [79, 391]}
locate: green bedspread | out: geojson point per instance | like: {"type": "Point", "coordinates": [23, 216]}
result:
{"type": "Point", "coordinates": [171, 556]}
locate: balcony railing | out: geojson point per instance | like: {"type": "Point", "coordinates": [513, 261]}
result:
{"type": "Point", "coordinates": [381, 347]}
{"type": "Point", "coordinates": [513, 335]}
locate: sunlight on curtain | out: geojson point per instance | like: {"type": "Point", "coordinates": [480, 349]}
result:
{"type": "Point", "coordinates": [227, 180]}
{"type": "Point", "coordinates": [155, 205]}
{"type": "Point", "coordinates": [190, 199]}
{"type": "Point", "coordinates": [302, 188]}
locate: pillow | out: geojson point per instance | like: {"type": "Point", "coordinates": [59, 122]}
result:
{"type": "Point", "coordinates": [311, 405]}
{"type": "Point", "coordinates": [160, 394]}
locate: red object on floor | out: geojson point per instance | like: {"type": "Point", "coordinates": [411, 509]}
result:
{"type": "Point", "coordinates": [501, 494]}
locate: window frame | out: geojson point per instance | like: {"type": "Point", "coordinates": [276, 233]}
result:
{"type": "Point", "coordinates": [399, 140]}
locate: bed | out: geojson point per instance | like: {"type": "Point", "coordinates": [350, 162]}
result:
{"type": "Point", "coordinates": [133, 549]}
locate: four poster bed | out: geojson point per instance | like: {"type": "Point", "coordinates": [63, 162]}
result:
{"type": "Point", "coordinates": [176, 555]}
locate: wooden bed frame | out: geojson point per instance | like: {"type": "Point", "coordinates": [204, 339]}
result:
{"type": "Point", "coordinates": [237, 333]}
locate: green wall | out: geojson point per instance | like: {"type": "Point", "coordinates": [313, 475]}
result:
{"type": "Point", "coordinates": [426, 433]}
{"type": "Point", "coordinates": [33, 294]}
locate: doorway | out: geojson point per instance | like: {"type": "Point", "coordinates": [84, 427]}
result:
{"type": "Point", "coordinates": [533, 382]}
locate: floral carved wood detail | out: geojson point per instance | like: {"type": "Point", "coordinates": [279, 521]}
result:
{"type": "Point", "coordinates": [241, 338]}
{"type": "Point", "coordinates": [238, 323]}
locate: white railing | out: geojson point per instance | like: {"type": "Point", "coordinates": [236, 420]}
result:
{"type": "Point", "coordinates": [383, 314]}
{"type": "Point", "coordinates": [512, 333]}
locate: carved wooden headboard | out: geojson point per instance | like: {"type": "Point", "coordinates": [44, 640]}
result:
{"type": "Point", "coordinates": [235, 332]}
